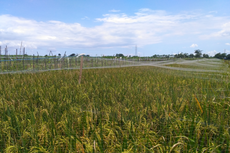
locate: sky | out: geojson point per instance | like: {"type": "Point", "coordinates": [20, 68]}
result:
{"type": "Point", "coordinates": [108, 27]}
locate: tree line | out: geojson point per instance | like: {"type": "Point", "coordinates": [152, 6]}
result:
{"type": "Point", "coordinates": [198, 54]}
{"type": "Point", "coordinates": [222, 56]}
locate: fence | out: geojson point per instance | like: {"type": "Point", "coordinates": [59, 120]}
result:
{"type": "Point", "coordinates": [23, 63]}
{"type": "Point", "coordinates": [36, 63]}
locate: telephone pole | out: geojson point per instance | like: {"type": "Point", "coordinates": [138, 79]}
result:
{"type": "Point", "coordinates": [20, 48]}
{"type": "Point", "coordinates": [136, 50]}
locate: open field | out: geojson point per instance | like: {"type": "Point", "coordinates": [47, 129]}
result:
{"type": "Point", "coordinates": [150, 108]}
{"type": "Point", "coordinates": [204, 64]}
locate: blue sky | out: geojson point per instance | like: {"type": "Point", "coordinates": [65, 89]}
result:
{"type": "Point", "coordinates": [102, 27]}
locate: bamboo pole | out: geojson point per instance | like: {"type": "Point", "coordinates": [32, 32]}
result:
{"type": "Point", "coordinates": [57, 64]}
{"type": "Point", "coordinates": [75, 61]}
{"type": "Point", "coordinates": [33, 62]}
{"type": "Point", "coordinates": [70, 62]}
{"type": "Point", "coordinates": [80, 70]}
{"type": "Point", "coordinates": [54, 62]}
{"type": "Point", "coordinates": [37, 63]}
{"type": "Point", "coordinates": [23, 58]}
{"type": "Point", "coordinates": [6, 62]}
{"type": "Point", "coordinates": [9, 62]}
{"type": "Point", "coordinates": [45, 63]}
{"type": "Point", "coordinates": [0, 55]}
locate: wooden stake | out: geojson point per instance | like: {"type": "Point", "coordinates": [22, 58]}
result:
{"type": "Point", "coordinates": [33, 61]}
{"type": "Point", "coordinates": [80, 70]}
{"type": "Point", "coordinates": [16, 54]}
{"type": "Point", "coordinates": [0, 54]}
{"type": "Point", "coordinates": [94, 146]}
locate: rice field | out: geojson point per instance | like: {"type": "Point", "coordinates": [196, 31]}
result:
{"type": "Point", "coordinates": [35, 64]}
{"type": "Point", "coordinates": [132, 109]}
{"type": "Point", "coordinates": [205, 64]}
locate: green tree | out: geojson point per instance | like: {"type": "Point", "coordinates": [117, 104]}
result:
{"type": "Point", "coordinates": [180, 55]}
{"type": "Point", "coordinates": [191, 55]}
{"type": "Point", "coordinates": [71, 55]}
{"type": "Point", "coordinates": [220, 56]}
{"type": "Point", "coordinates": [228, 57]}
{"type": "Point", "coordinates": [119, 55]}
{"type": "Point", "coordinates": [198, 53]}
{"type": "Point", "coordinates": [205, 55]}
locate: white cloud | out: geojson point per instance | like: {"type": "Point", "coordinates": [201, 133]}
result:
{"type": "Point", "coordinates": [145, 27]}
{"type": "Point", "coordinates": [213, 12]}
{"type": "Point", "coordinates": [113, 10]}
{"type": "Point", "coordinates": [222, 33]}
{"type": "Point", "coordinates": [212, 53]}
{"type": "Point", "coordinates": [194, 45]}
{"type": "Point", "coordinates": [225, 32]}
{"type": "Point", "coordinates": [227, 43]}
{"type": "Point", "coordinates": [85, 18]}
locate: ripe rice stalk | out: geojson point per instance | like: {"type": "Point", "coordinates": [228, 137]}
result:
{"type": "Point", "coordinates": [174, 146]}
{"type": "Point", "coordinates": [125, 108]}
{"type": "Point", "coordinates": [198, 104]}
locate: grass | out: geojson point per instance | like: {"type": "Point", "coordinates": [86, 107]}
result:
{"type": "Point", "coordinates": [135, 109]}
{"type": "Point", "coordinates": [185, 66]}
{"type": "Point", "coordinates": [205, 65]}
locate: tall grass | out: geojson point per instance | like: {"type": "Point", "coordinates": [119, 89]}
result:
{"type": "Point", "coordinates": [136, 109]}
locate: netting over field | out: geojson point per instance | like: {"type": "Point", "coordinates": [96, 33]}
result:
{"type": "Point", "coordinates": [36, 64]}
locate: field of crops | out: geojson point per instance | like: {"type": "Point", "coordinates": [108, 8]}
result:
{"type": "Point", "coordinates": [133, 109]}
{"type": "Point", "coordinates": [35, 64]}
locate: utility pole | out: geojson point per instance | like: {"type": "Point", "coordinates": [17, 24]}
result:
{"type": "Point", "coordinates": [6, 51]}
{"type": "Point", "coordinates": [24, 51]}
{"type": "Point", "coordinates": [50, 53]}
{"type": "Point", "coordinates": [20, 48]}
{"type": "Point", "coordinates": [136, 50]}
